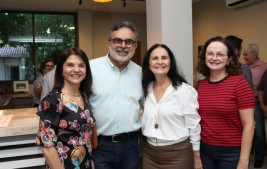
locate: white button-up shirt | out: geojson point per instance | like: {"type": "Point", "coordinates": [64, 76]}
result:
{"type": "Point", "coordinates": [176, 115]}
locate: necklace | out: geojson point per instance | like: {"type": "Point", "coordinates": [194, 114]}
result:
{"type": "Point", "coordinates": [77, 96]}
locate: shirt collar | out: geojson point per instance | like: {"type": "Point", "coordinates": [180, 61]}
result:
{"type": "Point", "coordinates": [168, 91]}
{"type": "Point", "coordinates": [115, 67]}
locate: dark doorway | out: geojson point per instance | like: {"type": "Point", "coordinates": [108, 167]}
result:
{"type": "Point", "coordinates": [14, 72]}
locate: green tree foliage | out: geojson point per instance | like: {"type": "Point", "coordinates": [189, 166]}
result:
{"type": "Point", "coordinates": [40, 27]}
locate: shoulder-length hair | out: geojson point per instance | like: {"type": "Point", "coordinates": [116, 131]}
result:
{"type": "Point", "coordinates": [86, 84]}
{"type": "Point", "coordinates": [174, 73]}
{"type": "Point", "coordinates": [233, 68]}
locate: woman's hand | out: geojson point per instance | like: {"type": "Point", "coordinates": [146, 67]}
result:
{"type": "Point", "coordinates": [197, 160]}
{"type": "Point", "coordinates": [242, 165]}
{"type": "Point", "coordinates": [51, 156]}
{"type": "Point", "coordinates": [197, 163]}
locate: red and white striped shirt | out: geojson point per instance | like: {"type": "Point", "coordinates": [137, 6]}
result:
{"type": "Point", "coordinates": [219, 105]}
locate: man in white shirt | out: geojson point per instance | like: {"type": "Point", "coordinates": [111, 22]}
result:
{"type": "Point", "coordinates": [115, 99]}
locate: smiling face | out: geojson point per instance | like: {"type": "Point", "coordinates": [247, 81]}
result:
{"type": "Point", "coordinates": [159, 62]}
{"type": "Point", "coordinates": [216, 56]}
{"type": "Point", "coordinates": [121, 52]}
{"type": "Point", "coordinates": [74, 70]}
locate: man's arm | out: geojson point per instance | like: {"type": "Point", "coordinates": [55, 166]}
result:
{"type": "Point", "coordinates": [261, 98]}
{"type": "Point", "coordinates": [261, 92]}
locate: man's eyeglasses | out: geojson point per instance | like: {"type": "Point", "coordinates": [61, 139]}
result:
{"type": "Point", "coordinates": [218, 55]}
{"type": "Point", "coordinates": [119, 41]}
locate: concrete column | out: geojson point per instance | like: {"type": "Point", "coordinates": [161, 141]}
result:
{"type": "Point", "coordinates": [170, 22]}
{"type": "Point", "coordinates": [85, 32]}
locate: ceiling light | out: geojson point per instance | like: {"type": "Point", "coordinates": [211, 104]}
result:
{"type": "Point", "coordinates": [102, 0]}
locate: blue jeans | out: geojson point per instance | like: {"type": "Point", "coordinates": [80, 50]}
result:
{"type": "Point", "coordinates": [219, 157]}
{"type": "Point", "coordinates": [116, 155]}
{"type": "Point", "coordinates": [259, 133]}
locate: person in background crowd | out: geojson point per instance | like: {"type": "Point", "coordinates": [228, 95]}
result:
{"type": "Point", "coordinates": [262, 93]}
{"type": "Point", "coordinates": [49, 78]}
{"type": "Point", "coordinates": [237, 45]}
{"type": "Point", "coordinates": [258, 67]}
{"type": "Point", "coordinates": [226, 106]}
{"type": "Point", "coordinates": [170, 120]}
{"type": "Point", "coordinates": [45, 67]}
{"type": "Point", "coordinates": [66, 119]}
{"type": "Point", "coordinates": [116, 98]}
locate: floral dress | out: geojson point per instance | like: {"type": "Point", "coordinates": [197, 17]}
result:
{"type": "Point", "coordinates": [64, 125]}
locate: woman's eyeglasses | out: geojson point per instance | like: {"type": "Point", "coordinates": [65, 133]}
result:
{"type": "Point", "coordinates": [49, 65]}
{"type": "Point", "coordinates": [218, 55]}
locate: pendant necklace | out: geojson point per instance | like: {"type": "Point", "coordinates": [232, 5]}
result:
{"type": "Point", "coordinates": [156, 118]}
{"type": "Point", "coordinates": [156, 126]}
{"type": "Point", "coordinates": [77, 97]}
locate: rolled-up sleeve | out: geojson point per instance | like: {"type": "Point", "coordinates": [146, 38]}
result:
{"type": "Point", "coordinates": [192, 118]}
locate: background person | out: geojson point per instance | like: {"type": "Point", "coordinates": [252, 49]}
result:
{"type": "Point", "coordinates": [262, 93]}
{"type": "Point", "coordinates": [237, 45]}
{"type": "Point", "coordinates": [257, 67]}
{"type": "Point", "coordinates": [45, 67]}
{"type": "Point", "coordinates": [66, 121]}
{"type": "Point", "coordinates": [115, 99]}
{"type": "Point", "coordinates": [49, 78]}
{"type": "Point", "coordinates": [170, 120]}
{"type": "Point", "coordinates": [226, 106]}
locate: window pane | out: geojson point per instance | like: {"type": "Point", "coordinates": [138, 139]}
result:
{"type": "Point", "coordinates": [16, 60]}
{"type": "Point", "coordinates": [24, 44]}
{"type": "Point", "coordinates": [53, 32]}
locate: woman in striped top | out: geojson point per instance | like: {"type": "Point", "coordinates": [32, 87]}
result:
{"type": "Point", "coordinates": [226, 105]}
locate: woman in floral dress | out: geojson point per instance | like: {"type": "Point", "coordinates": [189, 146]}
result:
{"type": "Point", "coordinates": [66, 120]}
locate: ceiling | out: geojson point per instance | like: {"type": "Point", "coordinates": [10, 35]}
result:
{"type": "Point", "coordinates": [132, 6]}
{"type": "Point", "coordinates": [73, 5]}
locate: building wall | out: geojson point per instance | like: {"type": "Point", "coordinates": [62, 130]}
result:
{"type": "Point", "coordinates": [212, 18]}
{"type": "Point", "coordinates": [93, 30]}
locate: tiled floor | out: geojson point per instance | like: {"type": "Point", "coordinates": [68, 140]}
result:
{"type": "Point", "coordinates": [250, 165]}
{"type": "Point", "coordinates": [251, 162]}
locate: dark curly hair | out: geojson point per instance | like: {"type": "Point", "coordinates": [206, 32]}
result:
{"type": "Point", "coordinates": [86, 84]}
{"type": "Point", "coordinates": [234, 66]}
{"type": "Point", "coordinates": [174, 73]}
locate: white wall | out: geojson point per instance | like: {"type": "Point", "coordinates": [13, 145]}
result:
{"type": "Point", "coordinates": [170, 22]}
{"type": "Point", "coordinates": [103, 21]}
{"type": "Point", "coordinates": [212, 18]}
{"type": "Point", "coordinates": [85, 32]}
{"type": "Point", "coordinates": [93, 30]}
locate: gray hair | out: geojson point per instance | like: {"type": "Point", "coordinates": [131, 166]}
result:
{"type": "Point", "coordinates": [253, 48]}
{"type": "Point", "coordinates": [124, 24]}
